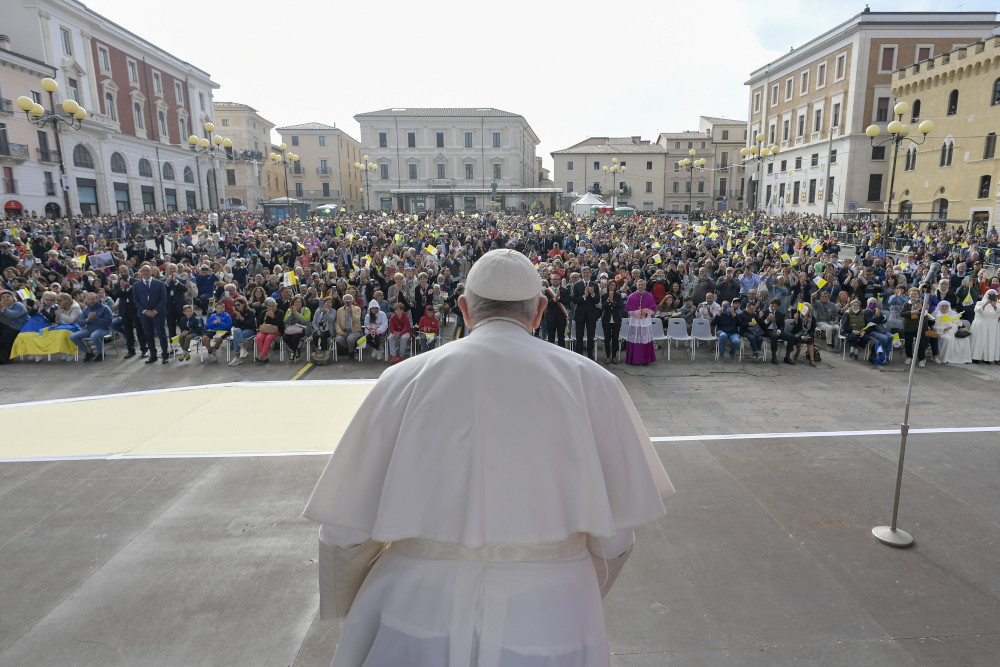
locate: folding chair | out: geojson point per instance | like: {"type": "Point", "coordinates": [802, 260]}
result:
{"type": "Point", "coordinates": [676, 331]}
{"type": "Point", "coordinates": [701, 331]}
{"type": "Point", "coordinates": [110, 338]}
{"type": "Point", "coordinates": [571, 338]}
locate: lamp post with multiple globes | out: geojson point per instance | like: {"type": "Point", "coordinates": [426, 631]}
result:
{"type": "Point", "coordinates": [72, 116]}
{"type": "Point", "coordinates": [368, 166]}
{"type": "Point", "coordinates": [614, 170]}
{"type": "Point", "coordinates": [759, 153]}
{"type": "Point", "coordinates": [898, 133]}
{"type": "Point", "coordinates": [690, 164]}
{"type": "Point", "coordinates": [284, 160]}
{"type": "Point", "coordinates": [214, 147]}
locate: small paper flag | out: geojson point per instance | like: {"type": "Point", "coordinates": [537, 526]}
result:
{"type": "Point", "coordinates": [363, 342]}
{"type": "Point", "coordinates": [657, 258]}
{"type": "Point", "coordinates": [819, 282]}
{"type": "Point", "coordinates": [784, 256]}
{"type": "Point", "coordinates": [895, 337]}
{"type": "Point", "coordinates": [800, 306]}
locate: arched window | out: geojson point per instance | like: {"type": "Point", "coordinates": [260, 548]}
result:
{"type": "Point", "coordinates": [145, 169]}
{"type": "Point", "coordinates": [137, 110]}
{"type": "Point", "coordinates": [941, 209]}
{"type": "Point", "coordinates": [953, 103]}
{"type": "Point", "coordinates": [916, 111]}
{"type": "Point", "coordinates": [996, 93]}
{"type": "Point", "coordinates": [109, 106]}
{"type": "Point", "coordinates": [118, 163]}
{"type": "Point", "coordinates": [188, 175]}
{"type": "Point", "coordinates": [947, 151]}
{"type": "Point", "coordinates": [82, 158]}
{"type": "Point", "coordinates": [168, 171]}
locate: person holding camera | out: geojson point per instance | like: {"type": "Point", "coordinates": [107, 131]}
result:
{"type": "Point", "coordinates": [986, 330]}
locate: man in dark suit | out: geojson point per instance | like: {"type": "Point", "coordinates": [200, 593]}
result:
{"type": "Point", "coordinates": [128, 321]}
{"type": "Point", "coordinates": [151, 303]}
{"type": "Point", "coordinates": [587, 297]}
{"type": "Point", "coordinates": [177, 288]}
{"type": "Point", "coordinates": [775, 330]}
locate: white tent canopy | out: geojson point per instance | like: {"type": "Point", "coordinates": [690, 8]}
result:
{"type": "Point", "coordinates": [582, 205]}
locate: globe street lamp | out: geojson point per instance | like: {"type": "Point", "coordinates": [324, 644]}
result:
{"type": "Point", "coordinates": [72, 116]}
{"type": "Point", "coordinates": [898, 133]}
{"type": "Point", "coordinates": [368, 166]}
{"type": "Point", "coordinates": [758, 153]}
{"type": "Point", "coordinates": [284, 160]}
{"type": "Point", "coordinates": [214, 147]}
{"type": "Point", "coordinates": [614, 169]}
{"type": "Point", "coordinates": [690, 164]}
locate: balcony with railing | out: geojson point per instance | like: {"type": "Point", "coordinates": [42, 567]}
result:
{"type": "Point", "coordinates": [324, 171]}
{"type": "Point", "coordinates": [14, 151]}
{"type": "Point", "coordinates": [46, 155]}
{"type": "Point", "coordinates": [6, 106]}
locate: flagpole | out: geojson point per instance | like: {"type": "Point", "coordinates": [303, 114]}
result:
{"type": "Point", "coordinates": [890, 535]}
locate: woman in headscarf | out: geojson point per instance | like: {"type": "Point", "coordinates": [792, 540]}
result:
{"type": "Point", "coordinates": [986, 330]}
{"type": "Point", "coordinates": [639, 339]}
{"type": "Point", "coordinates": [951, 350]}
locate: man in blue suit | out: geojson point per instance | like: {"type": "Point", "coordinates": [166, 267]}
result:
{"type": "Point", "coordinates": [151, 304]}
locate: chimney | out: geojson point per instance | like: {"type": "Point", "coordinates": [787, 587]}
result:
{"type": "Point", "coordinates": [5, 42]}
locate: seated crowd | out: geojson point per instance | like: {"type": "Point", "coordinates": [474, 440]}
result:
{"type": "Point", "coordinates": [243, 285]}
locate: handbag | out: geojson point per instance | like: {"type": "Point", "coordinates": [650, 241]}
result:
{"type": "Point", "coordinates": [268, 328]}
{"type": "Point", "coordinates": [293, 329]}
{"type": "Point", "coordinates": [342, 570]}
{"type": "Point", "coordinates": [963, 333]}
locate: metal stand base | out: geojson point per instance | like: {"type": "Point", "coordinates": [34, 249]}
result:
{"type": "Point", "coordinates": [894, 538]}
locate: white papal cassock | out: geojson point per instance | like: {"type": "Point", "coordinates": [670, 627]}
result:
{"type": "Point", "coordinates": [491, 464]}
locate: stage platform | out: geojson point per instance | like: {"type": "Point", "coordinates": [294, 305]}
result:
{"type": "Point", "coordinates": [163, 528]}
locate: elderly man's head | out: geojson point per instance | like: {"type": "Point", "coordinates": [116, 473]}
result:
{"type": "Point", "coordinates": [503, 283]}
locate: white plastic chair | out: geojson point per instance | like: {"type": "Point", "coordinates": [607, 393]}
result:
{"type": "Point", "coordinates": [701, 330]}
{"type": "Point", "coordinates": [676, 331]}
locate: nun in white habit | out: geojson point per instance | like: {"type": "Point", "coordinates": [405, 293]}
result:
{"type": "Point", "coordinates": [497, 527]}
{"type": "Point", "coordinates": [986, 329]}
{"type": "Point", "coordinates": [947, 323]}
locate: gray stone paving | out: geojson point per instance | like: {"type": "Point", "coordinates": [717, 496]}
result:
{"type": "Point", "coordinates": [765, 556]}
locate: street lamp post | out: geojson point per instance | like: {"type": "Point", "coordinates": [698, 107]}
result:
{"type": "Point", "coordinates": [758, 153]}
{"type": "Point", "coordinates": [213, 147]}
{"type": "Point", "coordinates": [73, 115]}
{"type": "Point", "coordinates": [614, 169]}
{"type": "Point", "coordinates": [690, 164]}
{"type": "Point", "coordinates": [898, 131]}
{"type": "Point", "coordinates": [283, 160]}
{"type": "Point", "coordinates": [368, 166]}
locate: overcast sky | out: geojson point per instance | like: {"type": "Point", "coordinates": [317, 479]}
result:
{"type": "Point", "coordinates": [572, 69]}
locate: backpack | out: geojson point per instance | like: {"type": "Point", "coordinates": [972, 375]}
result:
{"type": "Point", "coordinates": [879, 356]}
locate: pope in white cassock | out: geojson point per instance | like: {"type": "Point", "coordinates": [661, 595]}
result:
{"type": "Point", "coordinates": [506, 475]}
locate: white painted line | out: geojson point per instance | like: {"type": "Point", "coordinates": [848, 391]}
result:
{"type": "Point", "coordinates": [327, 452]}
{"type": "Point", "coordinates": [820, 434]}
{"type": "Point", "coordinates": [144, 392]}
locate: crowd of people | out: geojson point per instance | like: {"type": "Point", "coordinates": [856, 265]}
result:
{"type": "Point", "coordinates": [390, 282]}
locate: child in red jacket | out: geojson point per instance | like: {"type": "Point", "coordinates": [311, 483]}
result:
{"type": "Point", "coordinates": [427, 337]}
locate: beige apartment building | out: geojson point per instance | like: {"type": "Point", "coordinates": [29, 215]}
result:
{"type": "Point", "coordinates": [581, 168]}
{"type": "Point", "coordinates": [815, 102]}
{"type": "Point", "coordinates": [325, 172]}
{"type": "Point", "coordinates": [952, 175]}
{"type": "Point", "coordinates": [726, 137]}
{"type": "Point", "coordinates": [247, 169]}
{"type": "Point", "coordinates": [687, 188]}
